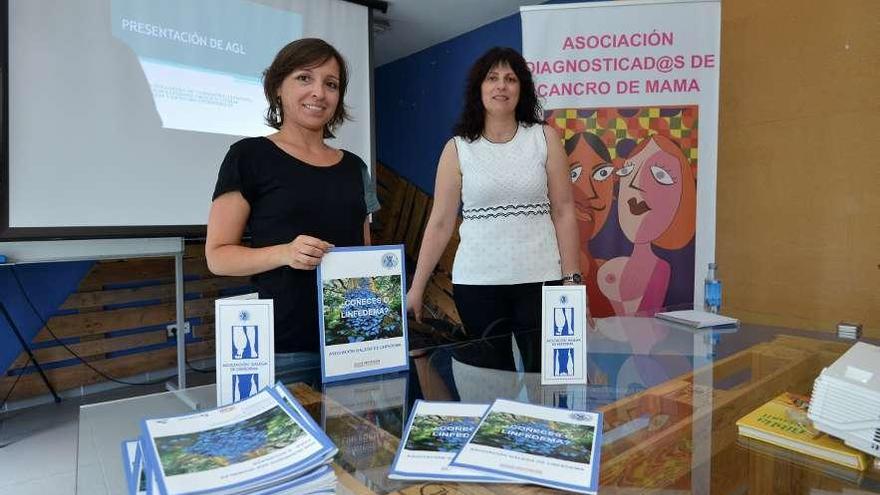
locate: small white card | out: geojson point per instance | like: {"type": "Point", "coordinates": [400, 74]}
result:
{"type": "Point", "coordinates": [563, 335]}
{"type": "Point", "coordinates": [245, 347]}
{"type": "Point", "coordinates": [362, 312]}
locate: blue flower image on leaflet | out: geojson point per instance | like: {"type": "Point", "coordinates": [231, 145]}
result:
{"type": "Point", "coordinates": [362, 309]}
{"type": "Point", "coordinates": [250, 439]}
{"type": "Point", "coordinates": [365, 317]}
{"type": "Point", "coordinates": [556, 439]}
{"type": "Point", "coordinates": [232, 445]}
{"type": "Point", "coordinates": [438, 433]}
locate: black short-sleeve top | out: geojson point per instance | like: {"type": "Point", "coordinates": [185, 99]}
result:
{"type": "Point", "coordinates": [288, 198]}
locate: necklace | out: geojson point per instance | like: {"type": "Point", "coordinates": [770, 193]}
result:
{"type": "Point", "coordinates": [506, 138]}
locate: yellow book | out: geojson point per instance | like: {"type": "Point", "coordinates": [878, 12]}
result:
{"type": "Point", "coordinates": [783, 422]}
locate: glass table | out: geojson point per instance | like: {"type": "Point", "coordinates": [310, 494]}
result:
{"type": "Point", "coordinates": [670, 396]}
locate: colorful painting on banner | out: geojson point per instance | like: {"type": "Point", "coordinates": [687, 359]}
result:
{"type": "Point", "coordinates": [635, 81]}
{"type": "Point", "coordinates": [634, 178]}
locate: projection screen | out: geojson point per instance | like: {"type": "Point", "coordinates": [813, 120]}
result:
{"type": "Point", "coordinates": [119, 112]}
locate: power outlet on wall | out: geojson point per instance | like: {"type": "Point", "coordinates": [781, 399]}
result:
{"type": "Point", "coordinates": [172, 329]}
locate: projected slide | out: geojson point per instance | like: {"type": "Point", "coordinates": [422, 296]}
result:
{"type": "Point", "coordinates": [143, 98]}
{"type": "Point", "coordinates": [203, 59]}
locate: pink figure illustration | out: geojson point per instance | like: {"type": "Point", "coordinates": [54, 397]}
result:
{"type": "Point", "coordinates": [592, 180]}
{"type": "Point", "coordinates": [656, 206]}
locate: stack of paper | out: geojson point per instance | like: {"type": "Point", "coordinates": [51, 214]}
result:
{"type": "Point", "coordinates": [264, 444]}
{"type": "Point", "coordinates": [698, 319]}
{"type": "Point", "coordinates": [507, 442]}
{"type": "Point", "coordinates": [851, 331]}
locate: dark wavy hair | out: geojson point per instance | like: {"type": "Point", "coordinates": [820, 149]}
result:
{"type": "Point", "coordinates": [528, 109]}
{"type": "Point", "coordinates": [592, 140]}
{"type": "Point", "coordinates": [299, 54]}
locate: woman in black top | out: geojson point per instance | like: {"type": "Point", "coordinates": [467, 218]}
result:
{"type": "Point", "coordinates": [297, 196]}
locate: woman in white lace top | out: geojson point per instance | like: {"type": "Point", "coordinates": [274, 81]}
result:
{"type": "Point", "coordinates": [509, 173]}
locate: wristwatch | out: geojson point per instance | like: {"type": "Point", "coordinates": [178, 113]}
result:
{"type": "Point", "coordinates": [574, 278]}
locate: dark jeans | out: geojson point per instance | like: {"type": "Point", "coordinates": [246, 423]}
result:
{"type": "Point", "coordinates": [502, 310]}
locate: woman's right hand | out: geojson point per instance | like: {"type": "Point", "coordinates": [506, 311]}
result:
{"type": "Point", "coordinates": [305, 252]}
{"type": "Point", "coordinates": [414, 303]}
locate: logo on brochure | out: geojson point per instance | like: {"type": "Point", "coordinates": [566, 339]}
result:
{"type": "Point", "coordinates": [245, 385]}
{"type": "Point", "coordinates": [563, 361]}
{"type": "Point", "coordinates": [389, 260]}
{"type": "Point", "coordinates": [243, 315]}
{"type": "Point", "coordinates": [579, 416]}
{"type": "Point", "coordinates": [245, 342]}
{"type": "Point", "coordinates": [563, 321]}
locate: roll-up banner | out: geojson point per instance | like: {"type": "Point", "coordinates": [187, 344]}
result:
{"type": "Point", "coordinates": [632, 88]}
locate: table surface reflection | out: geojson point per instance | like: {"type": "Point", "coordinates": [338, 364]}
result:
{"type": "Point", "coordinates": [670, 396]}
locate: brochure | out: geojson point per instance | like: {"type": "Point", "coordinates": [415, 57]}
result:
{"type": "Point", "coordinates": [133, 462]}
{"type": "Point", "coordinates": [245, 347]}
{"type": "Point", "coordinates": [435, 433]}
{"type": "Point", "coordinates": [564, 336]}
{"type": "Point", "coordinates": [266, 441]}
{"type": "Point", "coordinates": [362, 312]}
{"type": "Point", "coordinates": [557, 448]}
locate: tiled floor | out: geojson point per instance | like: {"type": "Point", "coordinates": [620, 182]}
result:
{"type": "Point", "coordinates": [38, 445]}
{"type": "Point", "coordinates": [38, 453]}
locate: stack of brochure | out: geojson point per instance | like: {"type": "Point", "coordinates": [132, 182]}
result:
{"type": "Point", "coordinates": [264, 444]}
{"type": "Point", "coordinates": [507, 442]}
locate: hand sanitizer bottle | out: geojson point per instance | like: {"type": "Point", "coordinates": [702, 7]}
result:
{"type": "Point", "coordinates": [712, 290]}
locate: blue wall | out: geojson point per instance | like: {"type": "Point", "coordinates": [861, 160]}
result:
{"type": "Point", "coordinates": [47, 285]}
{"type": "Point", "coordinates": [419, 97]}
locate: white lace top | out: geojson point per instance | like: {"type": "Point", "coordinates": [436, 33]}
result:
{"type": "Point", "coordinates": [507, 236]}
